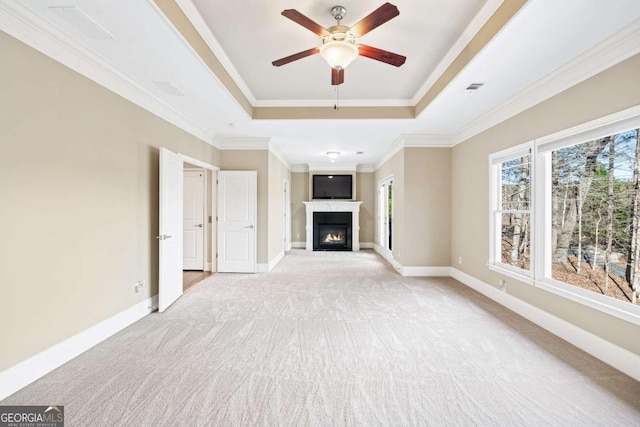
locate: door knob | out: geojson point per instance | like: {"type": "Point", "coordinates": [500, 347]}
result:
{"type": "Point", "coordinates": [249, 226]}
{"type": "Point", "coordinates": [199, 225]}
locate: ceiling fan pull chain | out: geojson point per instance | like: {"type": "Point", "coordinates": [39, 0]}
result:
{"type": "Point", "coordinates": [337, 104]}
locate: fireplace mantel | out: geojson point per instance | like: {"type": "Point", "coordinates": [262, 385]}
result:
{"type": "Point", "coordinates": [334, 206]}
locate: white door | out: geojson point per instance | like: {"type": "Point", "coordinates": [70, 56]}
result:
{"type": "Point", "coordinates": [170, 269]}
{"type": "Point", "coordinates": [385, 214]}
{"type": "Point", "coordinates": [287, 217]}
{"type": "Point", "coordinates": [193, 221]}
{"type": "Point", "coordinates": [237, 204]}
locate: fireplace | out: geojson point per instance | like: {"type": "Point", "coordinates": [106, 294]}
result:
{"type": "Point", "coordinates": [352, 220]}
{"type": "Point", "coordinates": [332, 231]}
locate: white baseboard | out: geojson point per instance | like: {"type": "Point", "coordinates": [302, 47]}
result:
{"type": "Point", "coordinates": [425, 271]}
{"type": "Point", "coordinates": [265, 268]}
{"type": "Point", "coordinates": [26, 372]}
{"type": "Point", "coordinates": [366, 245]}
{"type": "Point", "coordinates": [618, 357]}
{"type": "Point", "coordinates": [207, 267]}
{"type": "Point", "coordinates": [388, 255]}
{"type": "Point", "coordinates": [299, 245]}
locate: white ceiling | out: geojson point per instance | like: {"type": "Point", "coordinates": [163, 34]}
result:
{"type": "Point", "coordinates": [548, 46]}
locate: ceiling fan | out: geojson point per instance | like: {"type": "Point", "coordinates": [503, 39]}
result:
{"type": "Point", "coordinates": [339, 43]}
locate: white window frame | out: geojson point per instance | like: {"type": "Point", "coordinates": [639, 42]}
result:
{"type": "Point", "coordinates": [495, 202]}
{"type": "Point", "coordinates": [540, 274]}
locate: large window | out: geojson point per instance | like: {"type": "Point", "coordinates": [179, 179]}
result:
{"type": "Point", "coordinates": [565, 215]}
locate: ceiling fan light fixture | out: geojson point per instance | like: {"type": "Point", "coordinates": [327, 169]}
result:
{"type": "Point", "coordinates": [338, 54]}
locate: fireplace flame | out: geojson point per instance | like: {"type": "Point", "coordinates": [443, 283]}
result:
{"type": "Point", "coordinates": [333, 238]}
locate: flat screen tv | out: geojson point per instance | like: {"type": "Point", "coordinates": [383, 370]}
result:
{"type": "Point", "coordinates": [332, 187]}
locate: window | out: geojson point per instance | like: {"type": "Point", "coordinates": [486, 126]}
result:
{"type": "Point", "coordinates": [565, 214]}
{"type": "Point", "coordinates": [595, 194]}
{"type": "Point", "coordinates": [511, 213]}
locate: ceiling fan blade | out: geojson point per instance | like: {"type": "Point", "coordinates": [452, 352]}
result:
{"type": "Point", "coordinates": [296, 56]}
{"type": "Point", "coordinates": [376, 18]}
{"type": "Point", "coordinates": [337, 76]}
{"type": "Point", "coordinates": [381, 55]}
{"type": "Point", "coordinates": [310, 25]}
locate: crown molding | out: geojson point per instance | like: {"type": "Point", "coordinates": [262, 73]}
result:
{"type": "Point", "coordinates": [468, 34]}
{"type": "Point", "coordinates": [193, 15]}
{"type": "Point", "coordinates": [413, 141]}
{"type": "Point", "coordinates": [620, 46]}
{"type": "Point", "coordinates": [426, 141]}
{"type": "Point", "coordinates": [331, 101]}
{"type": "Point", "coordinates": [321, 167]}
{"type": "Point", "coordinates": [27, 26]}
{"type": "Point", "coordinates": [243, 143]}
{"type": "Point", "coordinates": [277, 152]}
{"type": "Point", "coordinates": [368, 168]}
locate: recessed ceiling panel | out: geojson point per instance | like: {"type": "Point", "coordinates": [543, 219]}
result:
{"type": "Point", "coordinates": [254, 33]}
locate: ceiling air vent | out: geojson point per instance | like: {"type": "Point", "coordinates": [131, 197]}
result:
{"type": "Point", "coordinates": [473, 87]}
{"type": "Point", "coordinates": [81, 22]}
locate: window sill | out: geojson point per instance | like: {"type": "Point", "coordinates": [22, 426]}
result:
{"type": "Point", "coordinates": [619, 309]}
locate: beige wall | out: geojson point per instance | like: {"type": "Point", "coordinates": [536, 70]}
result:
{"type": "Point", "coordinates": [427, 207]}
{"type": "Point", "coordinates": [278, 173]}
{"type": "Point", "coordinates": [610, 91]}
{"type": "Point", "coordinates": [367, 194]}
{"type": "Point", "coordinates": [79, 206]}
{"type": "Point", "coordinates": [299, 194]}
{"type": "Point", "coordinates": [254, 160]}
{"type": "Point", "coordinates": [421, 206]}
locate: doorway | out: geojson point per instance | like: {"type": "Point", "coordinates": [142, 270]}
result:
{"type": "Point", "coordinates": [385, 215]}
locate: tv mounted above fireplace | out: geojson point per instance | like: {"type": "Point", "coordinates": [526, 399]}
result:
{"type": "Point", "coordinates": [332, 187]}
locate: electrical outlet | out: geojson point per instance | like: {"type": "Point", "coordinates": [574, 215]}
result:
{"type": "Point", "coordinates": [459, 260]}
{"type": "Point", "coordinates": [503, 285]}
{"type": "Point", "coordinates": [138, 286]}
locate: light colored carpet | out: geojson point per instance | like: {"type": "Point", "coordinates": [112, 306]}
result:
{"type": "Point", "coordinates": [336, 338]}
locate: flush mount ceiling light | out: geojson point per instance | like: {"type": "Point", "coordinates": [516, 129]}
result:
{"type": "Point", "coordinates": [333, 154]}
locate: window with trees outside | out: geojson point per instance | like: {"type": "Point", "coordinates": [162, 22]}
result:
{"type": "Point", "coordinates": [566, 215]}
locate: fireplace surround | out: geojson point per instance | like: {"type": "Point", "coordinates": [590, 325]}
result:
{"type": "Point", "coordinates": [348, 208]}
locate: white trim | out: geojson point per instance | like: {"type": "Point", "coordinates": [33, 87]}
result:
{"type": "Point", "coordinates": [618, 357]}
{"type": "Point", "coordinates": [366, 168]}
{"type": "Point", "coordinates": [467, 35]}
{"type": "Point", "coordinates": [35, 367]}
{"type": "Point", "coordinates": [321, 167]}
{"type": "Point", "coordinates": [299, 168]}
{"type": "Point", "coordinates": [275, 261]}
{"type": "Point", "coordinates": [262, 268]}
{"type": "Point", "coordinates": [366, 245]}
{"type": "Point", "coordinates": [391, 151]}
{"type": "Point", "coordinates": [198, 163]}
{"type": "Point", "coordinates": [620, 46]}
{"type": "Point", "coordinates": [244, 143]}
{"type": "Point", "coordinates": [425, 271]}
{"type": "Point", "coordinates": [277, 152]}
{"type": "Point", "coordinates": [198, 22]}
{"type": "Point", "coordinates": [25, 25]}
{"type": "Point", "coordinates": [302, 103]}
{"type": "Point", "coordinates": [207, 266]}
{"type": "Point", "coordinates": [388, 255]}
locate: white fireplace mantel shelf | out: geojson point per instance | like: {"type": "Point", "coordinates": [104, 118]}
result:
{"type": "Point", "coordinates": [334, 206]}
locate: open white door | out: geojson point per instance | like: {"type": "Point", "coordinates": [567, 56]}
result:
{"type": "Point", "coordinates": [170, 236]}
{"type": "Point", "coordinates": [237, 204]}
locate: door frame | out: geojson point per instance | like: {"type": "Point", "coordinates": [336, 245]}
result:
{"type": "Point", "coordinates": [209, 228]}
{"type": "Point", "coordinates": [287, 216]}
{"type": "Point", "coordinates": [383, 241]}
